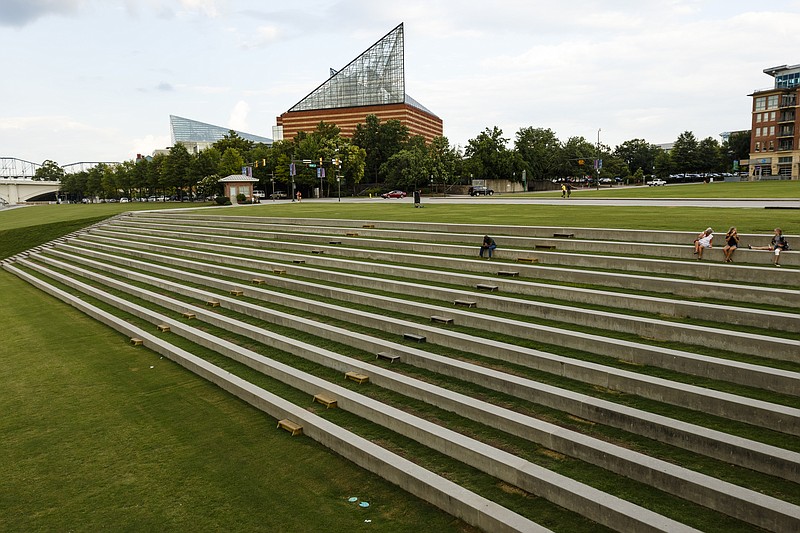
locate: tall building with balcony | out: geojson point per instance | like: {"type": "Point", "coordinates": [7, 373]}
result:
{"type": "Point", "coordinates": [372, 84]}
{"type": "Point", "coordinates": [775, 140]}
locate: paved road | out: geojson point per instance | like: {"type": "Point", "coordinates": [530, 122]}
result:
{"type": "Point", "coordinates": [655, 202]}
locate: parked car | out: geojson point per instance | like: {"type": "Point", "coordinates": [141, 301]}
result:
{"type": "Point", "coordinates": [124, 200]}
{"type": "Point", "coordinates": [480, 189]}
{"type": "Point", "coordinates": [393, 194]}
{"type": "Point", "coordinates": [278, 195]}
{"type": "Point", "coordinates": [656, 182]}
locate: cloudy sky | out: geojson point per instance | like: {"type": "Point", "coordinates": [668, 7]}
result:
{"type": "Point", "coordinates": [96, 80]}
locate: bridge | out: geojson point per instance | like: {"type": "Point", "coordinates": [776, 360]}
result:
{"type": "Point", "coordinates": [17, 191]}
{"type": "Point", "coordinates": [18, 183]}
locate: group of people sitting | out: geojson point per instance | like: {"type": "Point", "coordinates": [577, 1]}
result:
{"type": "Point", "coordinates": [704, 240]}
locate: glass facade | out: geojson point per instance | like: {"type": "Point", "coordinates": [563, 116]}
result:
{"type": "Point", "coordinates": [183, 130]}
{"type": "Point", "coordinates": [787, 81]}
{"type": "Point", "coordinates": [376, 77]}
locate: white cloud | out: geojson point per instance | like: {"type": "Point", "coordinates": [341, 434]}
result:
{"type": "Point", "coordinates": [145, 145]}
{"type": "Point", "coordinates": [238, 118]}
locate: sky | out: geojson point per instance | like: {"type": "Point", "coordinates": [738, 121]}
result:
{"type": "Point", "coordinates": [96, 80]}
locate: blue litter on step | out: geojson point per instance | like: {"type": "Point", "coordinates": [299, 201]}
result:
{"type": "Point", "coordinates": [352, 499]}
{"type": "Point", "coordinates": [363, 504]}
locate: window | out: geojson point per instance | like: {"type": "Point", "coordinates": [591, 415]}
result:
{"type": "Point", "coordinates": [772, 130]}
{"type": "Point", "coordinates": [772, 146]}
{"type": "Point", "coordinates": [758, 147]}
{"type": "Point", "coordinates": [772, 115]}
{"type": "Point", "coordinates": [772, 101]}
{"type": "Point", "coordinates": [758, 117]}
{"type": "Point", "coordinates": [761, 103]}
{"type": "Point", "coordinates": [785, 159]}
{"type": "Point", "coordinates": [758, 132]}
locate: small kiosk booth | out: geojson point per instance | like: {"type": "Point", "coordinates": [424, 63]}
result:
{"type": "Point", "coordinates": [237, 184]}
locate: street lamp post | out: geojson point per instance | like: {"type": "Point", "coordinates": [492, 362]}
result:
{"type": "Point", "coordinates": [272, 179]}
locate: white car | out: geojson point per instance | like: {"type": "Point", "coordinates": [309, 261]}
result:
{"type": "Point", "coordinates": [656, 183]}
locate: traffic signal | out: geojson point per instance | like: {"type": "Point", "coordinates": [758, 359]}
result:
{"type": "Point", "coordinates": [320, 161]}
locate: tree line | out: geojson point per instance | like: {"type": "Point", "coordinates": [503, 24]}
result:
{"type": "Point", "coordinates": [384, 155]}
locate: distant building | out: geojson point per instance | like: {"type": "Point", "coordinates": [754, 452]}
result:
{"type": "Point", "coordinates": [373, 83]}
{"type": "Point", "coordinates": [197, 136]}
{"type": "Point", "coordinates": [775, 141]}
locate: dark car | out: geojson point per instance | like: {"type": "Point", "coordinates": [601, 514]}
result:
{"type": "Point", "coordinates": [480, 189]}
{"type": "Point", "coordinates": [393, 194]}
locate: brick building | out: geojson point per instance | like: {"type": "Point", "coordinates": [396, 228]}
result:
{"type": "Point", "coordinates": [373, 83]}
{"type": "Point", "coordinates": [775, 140]}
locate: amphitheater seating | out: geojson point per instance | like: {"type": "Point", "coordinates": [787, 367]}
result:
{"type": "Point", "coordinates": [584, 324]}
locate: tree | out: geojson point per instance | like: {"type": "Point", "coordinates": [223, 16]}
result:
{"type": "Point", "coordinates": [709, 158]}
{"type": "Point", "coordinates": [176, 168]}
{"type": "Point", "coordinates": [735, 148]}
{"type": "Point", "coordinates": [637, 153]}
{"type": "Point", "coordinates": [204, 165]}
{"type": "Point", "coordinates": [232, 140]}
{"type": "Point", "coordinates": [443, 161]}
{"type": "Point", "coordinates": [406, 169]}
{"type": "Point", "coordinates": [684, 154]}
{"type": "Point", "coordinates": [231, 162]}
{"type": "Point", "coordinates": [380, 141]}
{"type": "Point", "coordinates": [123, 174]}
{"type": "Point", "coordinates": [540, 151]}
{"type": "Point", "coordinates": [575, 151]}
{"type": "Point", "coordinates": [49, 171]}
{"type": "Point", "coordinates": [488, 157]}
{"type": "Point", "coordinates": [662, 167]}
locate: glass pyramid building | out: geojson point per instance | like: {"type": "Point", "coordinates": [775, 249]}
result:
{"type": "Point", "coordinates": [192, 133]}
{"type": "Point", "coordinates": [374, 82]}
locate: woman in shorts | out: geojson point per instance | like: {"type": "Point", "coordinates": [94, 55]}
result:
{"type": "Point", "coordinates": [731, 244]}
{"type": "Point", "coordinates": [702, 242]}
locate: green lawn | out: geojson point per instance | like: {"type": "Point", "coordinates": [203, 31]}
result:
{"type": "Point", "coordinates": [729, 189]}
{"type": "Point", "coordinates": [98, 434]}
{"type": "Point", "coordinates": [695, 219]}
{"type": "Point", "coordinates": [94, 438]}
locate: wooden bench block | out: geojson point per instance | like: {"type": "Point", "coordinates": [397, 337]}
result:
{"type": "Point", "coordinates": [351, 234]}
{"type": "Point", "coordinates": [299, 261]}
{"type": "Point", "coordinates": [163, 328]}
{"type": "Point", "coordinates": [368, 226]}
{"type": "Point", "coordinates": [544, 247]}
{"type": "Point", "coordinates": [327, 401]}
{"type": "Point", "coordinates": [355, 376]}
{"type": "Point", "coordinates": [316, 251]}
{"type": "Point", "coordinates": [465, 303]}
{"type": "Point", "coordinates": [564, 235]}
{"type": "Point", "coordinates": [292, 427]}
{"type": "Point", "coordinates": [258, 281]}
{"type": "Point", "coordinates": [189, 315]}
{"type": "Point", "coordinates": [279, 270]}
{"type": "Point", "coordinates": [334, 242]}
{"type": "Point", "coordinates": [414, 337]}
{"type": "Point", "coordinates": [508, 273]}
{"type": "Point", "coordinates": [136, 341]}
{"type": "Point", "coordinates": [236, 292]}
{"type": "Point", "coordinates": [527, 260]}
{"type": "Point", "coordinates": [486, 287]}
{"type": "Point", "coordinates": [387, 356]}
{"type": "Point", "coordinates": [212, 303]}
{"type": "Point", "coordinates": [441, 319]}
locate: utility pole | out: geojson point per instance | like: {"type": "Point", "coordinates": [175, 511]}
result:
{"type": "Point", "coordinates": [598, 162]}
